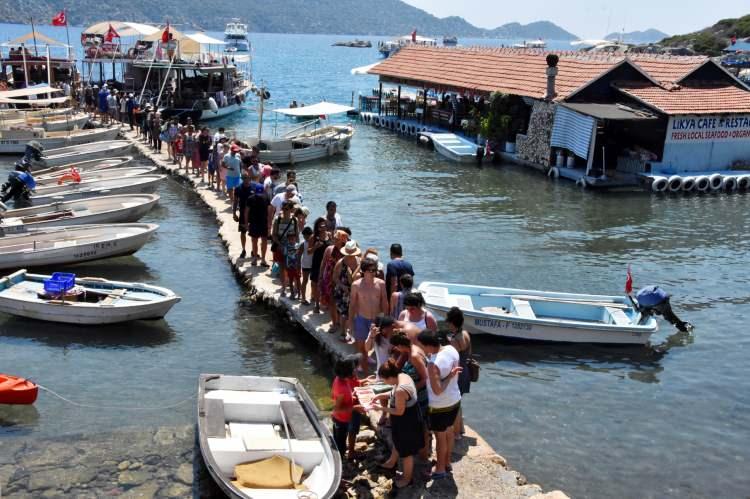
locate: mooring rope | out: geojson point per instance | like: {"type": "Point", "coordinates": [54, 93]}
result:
{"type": "Point", "coordinates": [125, 408]}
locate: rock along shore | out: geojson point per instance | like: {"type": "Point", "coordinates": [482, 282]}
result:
{"type": "Point", "coordinates": [165, 462]}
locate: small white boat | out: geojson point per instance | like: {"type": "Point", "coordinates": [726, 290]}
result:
{"type": "Point", "coordinates": [14, 140]}
{"type": "Point", "coordinates": [72, 154]}
{"type": "Point", "coordinates": [249, 424]}
{"type": "Point", "coordinates": [73, 244]}
{"type": "Point", "coordinates": [235, 37]}
{"type": "Point", "coordinates": [92, 300]}
{"type": "Point", "coordinates": [97, 210]}
{"type": "Point", "coordinates": [542, 315]}
{"type": "Point", "coordinates": [62, 181]}
{"type": "Point", "coordinates": [50, 123]}
{"type": "Point", "coordinates": [317, 144]}
{"type": "Point", "coordinates": [140, 184]}
{"type": "Point", "coordinates": [90, 165]}
{"type": "Point", "coordinates": [453, 147]}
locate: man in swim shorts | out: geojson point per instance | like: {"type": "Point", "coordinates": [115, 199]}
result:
{"type": "Point", "coordinates": [368, 300]}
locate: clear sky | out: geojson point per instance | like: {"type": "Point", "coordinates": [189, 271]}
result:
{"type": "Point", "coordinates": [591, 18]}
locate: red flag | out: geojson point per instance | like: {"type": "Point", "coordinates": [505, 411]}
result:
{"type": "Point", "coordinates": [60, 19]}
{"type": "Point", "coordinates": [629, 282]}
{"type": "Point", "coordinates": [165, 35]}
{"type": "Point", "coordinates": [734, 38]}
{"type": "Point", "coordinates": [414, 36]}
{"type": "Point", "coordinates": [111, 34]}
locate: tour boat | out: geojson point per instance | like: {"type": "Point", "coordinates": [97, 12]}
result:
{"type": "Point", "coordinates": [72, 154]}
{"type": "Point", "coordinates": [235, 37]}
{"type": "Point", "coordinates": [541, 315]}
{"type": "Point", "coordinates": [261, 438]}
{"type": "Point", "coordinates": [69, 299]}
{"type": "Point", "coordinates": [140, 184]}
{"type": "Point", "coordinates": [97, 210]}
{"type": "Point", "coordinates": [90, 165]}
{"type": "Point", "coordinates": [73, 244]}
{"type": "Point", "coordinates": [16, 390]}
{"type": "Point", "coordinates": [13, 140]}
{"type": "Point", "coordinates": [62, 181]}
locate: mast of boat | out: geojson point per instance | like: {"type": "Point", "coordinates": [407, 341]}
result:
{"type": "Point", "coordinates": [25, 68]}
{"type": "Point", "coordinates": [261, 95]}
{"type": "Point", "coordinates": [49, 73]}
{"type": "Point", "coordinates": [33, 33]}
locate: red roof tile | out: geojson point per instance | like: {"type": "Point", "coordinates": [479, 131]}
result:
{"type": "Point", "coordinates": [518, 71]}
{"type": "Point", "coordinates": [694, 99]}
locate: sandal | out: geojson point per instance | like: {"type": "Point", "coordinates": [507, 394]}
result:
{"type": "Point", "coordinates": [387, 468]}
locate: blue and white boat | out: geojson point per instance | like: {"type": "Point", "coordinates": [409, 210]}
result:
{"type": "Point", "coordinates": [453, 147]}
{"type": "Point", "coordinates": [235, 37]}
{"type": "Point", "coordinates": [542, 315]}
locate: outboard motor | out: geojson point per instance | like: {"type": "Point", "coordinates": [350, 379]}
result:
{"type": "Point", "coordinates": [19, 185]}
{"type": "Point", "coordinates": [33, 152]}
{"type": "Point", "coordinates": [652, 300]}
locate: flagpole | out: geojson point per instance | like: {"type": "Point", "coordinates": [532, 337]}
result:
{"type": "Point", "coordinates": [33, 33]}
{"type": "Point", "coordinates": [67, 33]}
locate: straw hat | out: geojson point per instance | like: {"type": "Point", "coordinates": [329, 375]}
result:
{"type": "Point", "coordinates": [351, 249]}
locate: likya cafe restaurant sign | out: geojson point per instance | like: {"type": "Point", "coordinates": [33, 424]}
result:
{"type": "Point", "coordinates": [695, 129]}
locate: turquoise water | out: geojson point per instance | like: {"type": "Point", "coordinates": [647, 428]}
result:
{"type": "Point", "coordinates": [666, 421]}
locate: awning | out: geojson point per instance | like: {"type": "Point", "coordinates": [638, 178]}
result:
{"type": "Point", "coordinates": [613, 111]}
{"type": "Point", "coordinates": [35, 102]}
{"type": "Point", "coordinates": [319, 109]}
{"type": "Point", "coordinates": [123, 28]}
{"type": "Point", "coordinates": [25, 92]}
{"type": "Point", "coordinates": [419, 39]}
{"type": "Point", "coordinates": [40, 40]}
{"type": "Point", "coordinates": [363, 70]}
{"type": "Point", "coordinates": [204, 39]}
{"type": "Point", "coordinates": [572, 131]}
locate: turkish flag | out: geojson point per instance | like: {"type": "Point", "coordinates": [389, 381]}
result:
{"type": "Point", "coordinates": [111, 34]}
{"type": "Point", "coordinates": [629, 282]}
{"type": "Point", "coordinates": [60, 19]}
{"type": "Point", "coordinates": [165, 35]}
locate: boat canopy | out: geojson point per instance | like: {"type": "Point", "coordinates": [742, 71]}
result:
{"type": "Point", "coordinates": [204, 39]}
{"type": "Point", "coordinates": [25, 92]}
{"type": "Point", "coordinates": [319, 109]}
{"type": "Point", "coordinates": [419, 39]}
{"type": "Point", "coordinates": [589, 43]}
{"type": "Point", "coordinates": [37, 38]}
{"type": "Point", "coordinates": [363, 70]}
{"type": "Point", "coordinates": [123, 28]}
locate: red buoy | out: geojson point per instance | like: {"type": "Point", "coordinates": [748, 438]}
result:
{"type": "Point", "coordinates": [15, 390]}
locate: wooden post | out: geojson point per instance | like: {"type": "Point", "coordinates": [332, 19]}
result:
{"type": "Point", "coordinates": [424, 105]}
{"type": "Point", "coordinates": [398, 103]}
{"type": "Point", "coordinates": [380, 98]}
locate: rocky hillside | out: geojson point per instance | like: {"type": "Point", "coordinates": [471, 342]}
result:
{"type": "Point", "coordinates": [355, 17]}
{"type": "Point", "coordinates": [711, 40]}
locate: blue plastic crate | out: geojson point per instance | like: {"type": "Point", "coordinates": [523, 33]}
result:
{"type": "Point", "coordinates": [59, 283]}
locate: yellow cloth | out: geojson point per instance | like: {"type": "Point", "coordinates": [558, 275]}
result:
{"type": "Point", "coordinates": [272, 473]}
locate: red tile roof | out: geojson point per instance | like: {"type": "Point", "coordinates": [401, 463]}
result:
{"type": "Point", "coordinates": [517, 71]}
{"type": "Point", "coordinates": [692, 99]}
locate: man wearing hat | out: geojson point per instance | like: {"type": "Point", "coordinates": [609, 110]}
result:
{"type": "Point", "coordinates": [233, 164]}
{"type": "Point", "coordinates": [289, 194]}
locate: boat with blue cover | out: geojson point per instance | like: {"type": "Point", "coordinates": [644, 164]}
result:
{"type": "Point", "coordinates": [542, 315]}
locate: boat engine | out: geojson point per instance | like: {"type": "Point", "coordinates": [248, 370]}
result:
{"type": "Point", "coordinates": [33, 152]}
{"type": "Point", "coordinates": [652, 300]}
{"type": "Point", "coordinates": [19, 185]}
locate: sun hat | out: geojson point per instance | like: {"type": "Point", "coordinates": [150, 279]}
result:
{"type": "Point", "coordinates": [351, 249]}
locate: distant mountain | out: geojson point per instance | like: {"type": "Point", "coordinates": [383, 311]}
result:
{"type": "Point", "coordinates": [638, 37]}
{"type": "Point", "coordinates": [354, 17]}
{"type": "Point", "coordinates": [712, 40]}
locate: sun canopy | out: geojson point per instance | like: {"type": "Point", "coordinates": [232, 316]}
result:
{"type": "Point", "coordinates": [40, 40]}
{"type": "Point", "coordinates": [123, 28]}
{"type": "Point", "coordinates": [34, 102]}
{"type": "Point", "coordinates": [363, 70]}
{"type": "Point", "coordinates": [419, 39]}
{"type": "Point", "coordinates": [319, 109]}
{"type": "Point", "coordinates": [25, 92]}
{"type": "Point", "coordinates": [204, 39]}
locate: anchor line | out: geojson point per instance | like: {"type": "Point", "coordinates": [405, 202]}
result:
{"type": "Point", "coordinates": [125, 408]}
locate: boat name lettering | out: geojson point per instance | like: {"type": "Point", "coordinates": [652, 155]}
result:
{"type": "Point", "coordinates": [502, 324]}
{"type": "Point", "coordinates": [85, 254]}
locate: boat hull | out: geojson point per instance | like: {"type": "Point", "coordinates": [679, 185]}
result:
{"type": "Point", "coordinates": [68, 254]}
{"type": "Point", "coordinates": [17, 145]}
{"type": "Point", "coordinates": [91, 165]}
{"type": "Point", "coordinates": [454, 148]}
{"type": "Point", "coordinates": [533, 327]}
{"type": "Point", "coordinates": [141, 184]}
{"type": "Point", "coordinates": [315, 151]}
{"type": "Point", "coordinates": [70, 155]}
{"type": "Point", "coordinates": [17, 391]}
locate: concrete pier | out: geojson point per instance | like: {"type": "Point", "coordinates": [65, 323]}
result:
{"type": "Point", "coordinates": [477, 459]}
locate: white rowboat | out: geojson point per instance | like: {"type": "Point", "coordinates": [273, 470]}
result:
{"type": "Point", "coordinates": [541, 315]}
{"type": "Point", "coordinates": [62, 183]}
{"type": "Point", "coordinates": [97, 210]}
{"type": "Point", "coordinates": [14, 141]}
{"type": "Point", "coordinates": [247, 419]}
{"type": "Point", "coordinates": [94, 300]}
{"type": "Point", "coordinates": [55, 123]}
{"type": "Point", "coordinates": [72, 154]}
{"type": "Point", "coordinates": [83, 166]}
{"type": "Point", "coordinates": [140, 184]}
{"type": "Point", "coordinates": [453, 147]}
{"type": "Point", "coordinates": [74, 244]}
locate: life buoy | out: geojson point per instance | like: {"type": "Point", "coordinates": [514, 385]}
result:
{"type": "Point", "coordinates": [553, 172]}
{"type": "Point", "coordinates": [412, 130]}
{"type": "Point", "coordinates": [581, 182]}
{"type": "Point", "coordinates": [131, 53]}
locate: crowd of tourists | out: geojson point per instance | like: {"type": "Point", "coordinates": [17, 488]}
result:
{"type": "Point", "coordinates": [421, 369]}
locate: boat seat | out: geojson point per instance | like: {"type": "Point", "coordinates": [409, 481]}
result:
{"type": "Point", "coordinates": [250, 407]}
{"type": "Point", "coordinates": [229, 452]}
{"type": "Point", "coordinates": [438, 295]}
{"type": "Point", "coordinates": [299, 423]}
{"type": "Point", "coordinates": [214, 411]}
{"type": "Point", "coordinates": [523, 309]}
{"type": "Point", "coordinates": [619, 317]}
{"type": "Point", "coordinates": [463, 302]}
{"type": "Point", "coordinates": [113, 296]}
